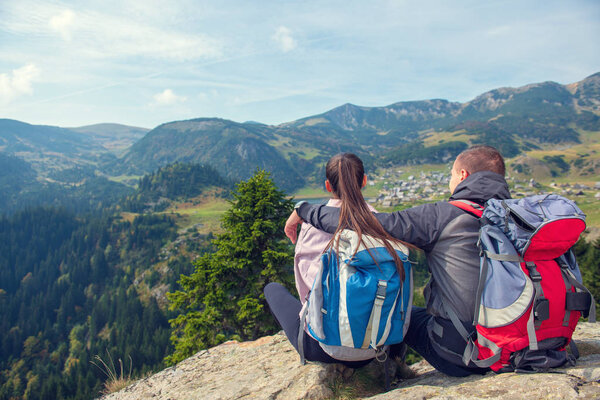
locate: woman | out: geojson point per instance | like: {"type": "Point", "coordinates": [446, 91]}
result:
{"type": "Point", "coordinates": [345, 178]}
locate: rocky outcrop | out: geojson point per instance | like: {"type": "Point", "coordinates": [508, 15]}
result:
{"type": "Point", "coordinates": [573, 382]}
{"type": "Point", "coordinates": [269, 368]}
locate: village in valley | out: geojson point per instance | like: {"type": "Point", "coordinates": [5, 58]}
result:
{"type": "Point", "coordinates": [399, 187]}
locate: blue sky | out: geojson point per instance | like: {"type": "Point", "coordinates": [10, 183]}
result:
{"type": "Point", "coordinates": [142, 63]}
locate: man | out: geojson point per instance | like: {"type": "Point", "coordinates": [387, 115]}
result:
{"type": "Point", "coordinates": [448, 235]}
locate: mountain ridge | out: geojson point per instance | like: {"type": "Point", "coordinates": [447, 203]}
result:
{"type": "Point", "coordinates": [516, 120]}
{"type": "Point", "coordinates": [513, 119]}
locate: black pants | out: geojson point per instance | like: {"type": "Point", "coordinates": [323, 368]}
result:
{"type": "Point", "coordinates": [286, 309]}
{"type": "Point", "coordinates": [418, 339]}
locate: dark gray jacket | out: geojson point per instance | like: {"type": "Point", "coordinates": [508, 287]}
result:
{"type": "Point", "coordinates": [447, 234]}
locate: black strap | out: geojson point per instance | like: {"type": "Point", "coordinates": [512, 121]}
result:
{"type": "Point", "coordinates": [574, 349]}
{"type": "Point", "coordinates": [387, 367]}
{"type": "Point", "coordinates": [578, 285]}
{"type": "Point", "coordinates": [540, 303]}
{"type": "Point", "coordinates": [578, 301]}
{"type": "Point", "coordinates": [382, 355]}
{"type": "Point", "coordinates": [563, 267]}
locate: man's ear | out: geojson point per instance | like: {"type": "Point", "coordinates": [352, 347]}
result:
{"type": "Point", "coordinates": [328, 186]}
{"type": "Point", "coordinates": [463, 174]}
{"type": "Point", "coordinates": [364, 182]}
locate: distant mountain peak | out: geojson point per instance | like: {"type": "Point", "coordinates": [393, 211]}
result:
{"type": "Point", "coordinates": [108, 125]}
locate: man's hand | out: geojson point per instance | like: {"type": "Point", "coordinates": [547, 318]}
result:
{"type": "Point", "coordinates": [291, 226]}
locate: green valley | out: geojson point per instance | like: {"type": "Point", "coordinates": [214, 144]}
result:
{"type": "Point", "coordinates": [98, 223]}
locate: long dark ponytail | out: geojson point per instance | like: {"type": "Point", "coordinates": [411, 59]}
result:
{"type": "Point", "coordinates": [345, 172]}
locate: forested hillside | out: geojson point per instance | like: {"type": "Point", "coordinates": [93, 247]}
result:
{"type": "Point", "coordinates": [66, 295]}
{"type": "Point", "coordinates": [179, 181]}
{"type": "Point", "coordinates": [74, 287]}
{"type": "Point", "coordinates": [92, 194]}
{"type": "Point", "coordinates": [234, 150]}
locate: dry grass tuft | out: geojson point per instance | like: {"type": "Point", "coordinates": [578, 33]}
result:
{"type": "Point", "coordinates": [116, 380]}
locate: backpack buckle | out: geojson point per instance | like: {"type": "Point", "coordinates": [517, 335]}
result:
{"type": "Point", "coordinates": [381, 289]}
{"type": "Point", "coordinates": [534, 275]}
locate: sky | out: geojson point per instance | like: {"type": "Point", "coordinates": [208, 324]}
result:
{"type": "Point", "coordinates": [147, 62]}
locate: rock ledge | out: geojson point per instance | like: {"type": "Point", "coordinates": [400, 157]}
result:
{"type": "Point", "coordinates": [269, 368]}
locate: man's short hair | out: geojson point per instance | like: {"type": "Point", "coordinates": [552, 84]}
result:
{"type": "Point", "coordinates": [481, 158]}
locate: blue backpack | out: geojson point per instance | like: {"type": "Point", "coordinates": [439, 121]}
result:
{"type": "Point", "coordinates": [358, 306]}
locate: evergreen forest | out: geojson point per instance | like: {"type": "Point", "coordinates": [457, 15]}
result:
{"type": "Point", "coordinates": [70, 289]}
{"type": "Point", "coordinates": [67, 296]}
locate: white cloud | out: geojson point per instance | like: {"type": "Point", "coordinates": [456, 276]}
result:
{"type": "Point", "coordinates": [63, 23]}
{"type": "Point", "coordinates": [107, 32]}
{"type": "Point", "coordinates": [117, 37]}
{"type": "Point", "coordinates": [18, 82]}
{"type": "Point", "coordinates": [167, 97]}
{"type": "Point", "coordinates": [283, 37]}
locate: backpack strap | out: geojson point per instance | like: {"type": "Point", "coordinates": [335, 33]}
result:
{"type": "Point", "coordinates": [471, 353]}
{"type": "Point", "coordinates": [469, 206]}
{"type": "Point", "coordinates": [541, 306]}
{"type": "Point", "coordinates": [482, 278]}
{"type": "Point", "coordinates": [573, 281]}
{"type": "Point", "coordinates": [301, 333]}
{"type": "Point", "coordinates": [563, 266]}
{"type": "Point", "coordinates": [375, 317]}
{"type": "Point", "coordinates": [383, 356]}
{"type": "Point", "coordinates": [574, 349]}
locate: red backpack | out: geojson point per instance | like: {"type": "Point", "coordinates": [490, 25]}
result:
{"type": "Point", "coordinates": [530, 296]}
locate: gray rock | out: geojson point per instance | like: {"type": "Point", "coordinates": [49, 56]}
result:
{"type": "Point", "coordinates": [579, 382]}
{"type": "Point", "coordinates": [269, 368]}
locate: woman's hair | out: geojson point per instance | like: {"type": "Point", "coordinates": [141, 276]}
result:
{"type": "Point", "coordinates": [345, 173]}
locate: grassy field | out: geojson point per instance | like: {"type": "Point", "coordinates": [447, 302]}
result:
{"type": "Point", "coordinates": [284, 144]}
{"type": "Point", "coordinates": [125, 178]}
{"type": "Point", "coordinates": [434, 138]}
{"type": "Point", "coordinates": [309, 192]}
{"type": "Point", "coordinates": [591, 207]}
{"type": "Point", "coordinates": [207, 213]}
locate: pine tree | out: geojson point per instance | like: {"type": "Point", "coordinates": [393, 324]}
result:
{"type": "Point", "coordinates": [588, 258]}
{"type": "Point", "coordinates": [223, 298]}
